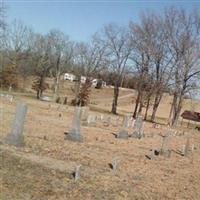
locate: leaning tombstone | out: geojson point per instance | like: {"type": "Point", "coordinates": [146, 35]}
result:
{"type": "Point", "coordinates": [74, 132]}
{"type": "Point", "coordinates": [123, 133]}
{"type": "Point", "coordinates": [16, 137]}
{"type": "Point", "coordinates": [137, 132]}
{"type": "Point", "coordinates": [151, 155]}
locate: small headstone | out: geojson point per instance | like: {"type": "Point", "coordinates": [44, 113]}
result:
{"type": "Point", "coordinates": [107, 122]}
{"type": "Point", "coordinates": [77, 173]}
{"type": "Point", "coordinates": [116, 122]}
{"type": "Point", "coordinates": [113, 165]}
{"type": "Point", "coordinates": [91, 120]}
{"type": "Point", "coordinates": [133, 122]}
{"type": "Point", "coordinates": [15, 137]}
{"type": "Point", "coordinates": [137, 132]}
{"type": "Point", "coordinates": [8, 97]}
{"type": "Point", "coordinates": [152, 154]}
{"type": "Point", "coordinates": [65, 101]}
{"type": "Point", "coordinates": [74, 132]}
{"type": "Point", "coordinates": [46, 98]}
{"type": "Point", "coordinates": [10, 89]}
{"type": "Point", "coordinates": [123, 133]}
{"type": "Point", "coordinates": [101, 117]}
{"type": "Point", "coordinates": [192, 148]}
{"type": "Point", "coordinates": [186, 147]}
{"type": "Point", "coordinates": [165, 148]}
{"type": "Point", "coordinates": [85, 113]}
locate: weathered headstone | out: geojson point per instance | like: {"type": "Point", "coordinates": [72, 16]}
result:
{"type": "Point", "coordinates": [16, 137]}
{"type": "Point", "coordinates": [186, 147]}
{"type": "Point", "coordinates": [133, 123]}
{"type": "Point", "coordinates": [192, 148]}
{"type": "Point", "coordinates": [137, 132]}
{"type": "Point", "coordinates": [46, 98]}
{"type": "Point", "coordinates": [107, 121]}
{"type": "Point", "coordinates": [85, 113]}
{"type": "Point", "coordinates": [8, 97]}
{"type": "Point", "coordinates": [91, 120]}
{"type": "Point", "coordinates": [10, 89]}
{"type": "Point", "coordinates": [116, 122]}
{"type": "Point", "coordinates": [77, 173]}
{"type": "Point", "coordinates": [101, 117]}
{"type": "Point", "coordinates": [152, 154]}
{"type": "Point", "coordinates": [74, 132]}
{"type": "Point", "coordinates": [129, 120]}
{"type": "Point", "coordinates": [123, 133]}
{"type": "Point", "coordinates": [114, 164]}
{"type": "Point", "coordinates": [165, 147]}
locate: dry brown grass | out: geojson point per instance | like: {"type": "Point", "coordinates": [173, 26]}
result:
{"type": "Point", "coordinates": [41, 169]}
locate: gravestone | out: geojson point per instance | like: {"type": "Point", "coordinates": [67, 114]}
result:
{"type": "Point", "coordinates": [74, 132]}
{"type": "Point", "coordinates": [8, 97]}
{"type": "Point", "coordinates": [114, 164]}
{"type": "Point", "coordinates": [186, 147]}
{"type": "Point", "coordinates": [46, 98]}
{"type": "Point", "coordinates": [85, 113]}
{"type": "Point", "coordinates": [101, 117]}
{"type": "Point", "coordinates": [77, 173]}
{"type": "Point", "coordinates": [91, 120]}
{"type": "Point", "coordinates": [107, 121]}
{"type": "Point", "coordinates": [116, 122]}
{"type": "Point", "coordinates": [123, 133]}
{"type": "Point", "coordinates": [165, 147]}
{"type": "Point", "coordinates": [137, 132]}
{"type": "Point", "coordinates": [129, 120]}
{"type": "Point", "coordinates": [15, 137]}
{"type": "Point", "coordinates": [151, 155]}
{"type": "Point", "coordinates": [133, 123]}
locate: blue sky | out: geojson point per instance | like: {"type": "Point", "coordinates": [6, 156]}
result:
{"type": "Point", "coordinates": [80, 19]}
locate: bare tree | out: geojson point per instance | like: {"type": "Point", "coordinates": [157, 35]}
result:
{"type": "Point", "coordinates": [41, 57]}
{"type": "Point", "coordinates": [116, 40]}
{"type": "Point", "coordinates": [141, 41]}
{"type": "Point", "coordinates": [2, 22]}
{"type": "Point", "coordinates": [89, 60]}
{"type": "Point", "coordinates": [62, 52]}
{"type": "Point", "coordinates": [16, 47]}
{"type": "Point", "coordinates": [184, 39]}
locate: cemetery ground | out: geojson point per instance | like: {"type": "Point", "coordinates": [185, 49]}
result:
{"type": "Point", "coordinates": [43, 168]}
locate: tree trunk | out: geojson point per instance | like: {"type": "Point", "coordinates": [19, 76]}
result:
{"type": "Point", "coordinates": [136, 104]}
{"type": "Point", "coordinates": [115, 98]}
{"type": "Point", "coordinates": [56, 88]}
{"type": "Point", "coordinates": [38, 94]}
{"type": "Point", "coordinates": [140, 108]}
{"type": "Point", "coordinates": [172, 109]}
{"type": "Point", "coordinates": [57, 79]}
{"type": "Point", "coordinates": [177, 112]}
{"type": "Point", "coordinates": [147, 108]}
{"type": "Point", "coordinates": [155, 106]}
{"type": "Point", "coordinates": [77, 88]}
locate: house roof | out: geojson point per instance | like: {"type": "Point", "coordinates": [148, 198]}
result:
{"type": "Point", "coordinates": [190, 115]}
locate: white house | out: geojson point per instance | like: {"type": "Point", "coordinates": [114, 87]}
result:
{"type": "Point", "coordinates": [94, 82]}
{"type": "Point", "coordinates": [83, 79]}
{"type": "Point", "coordinates": [70, 77]}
